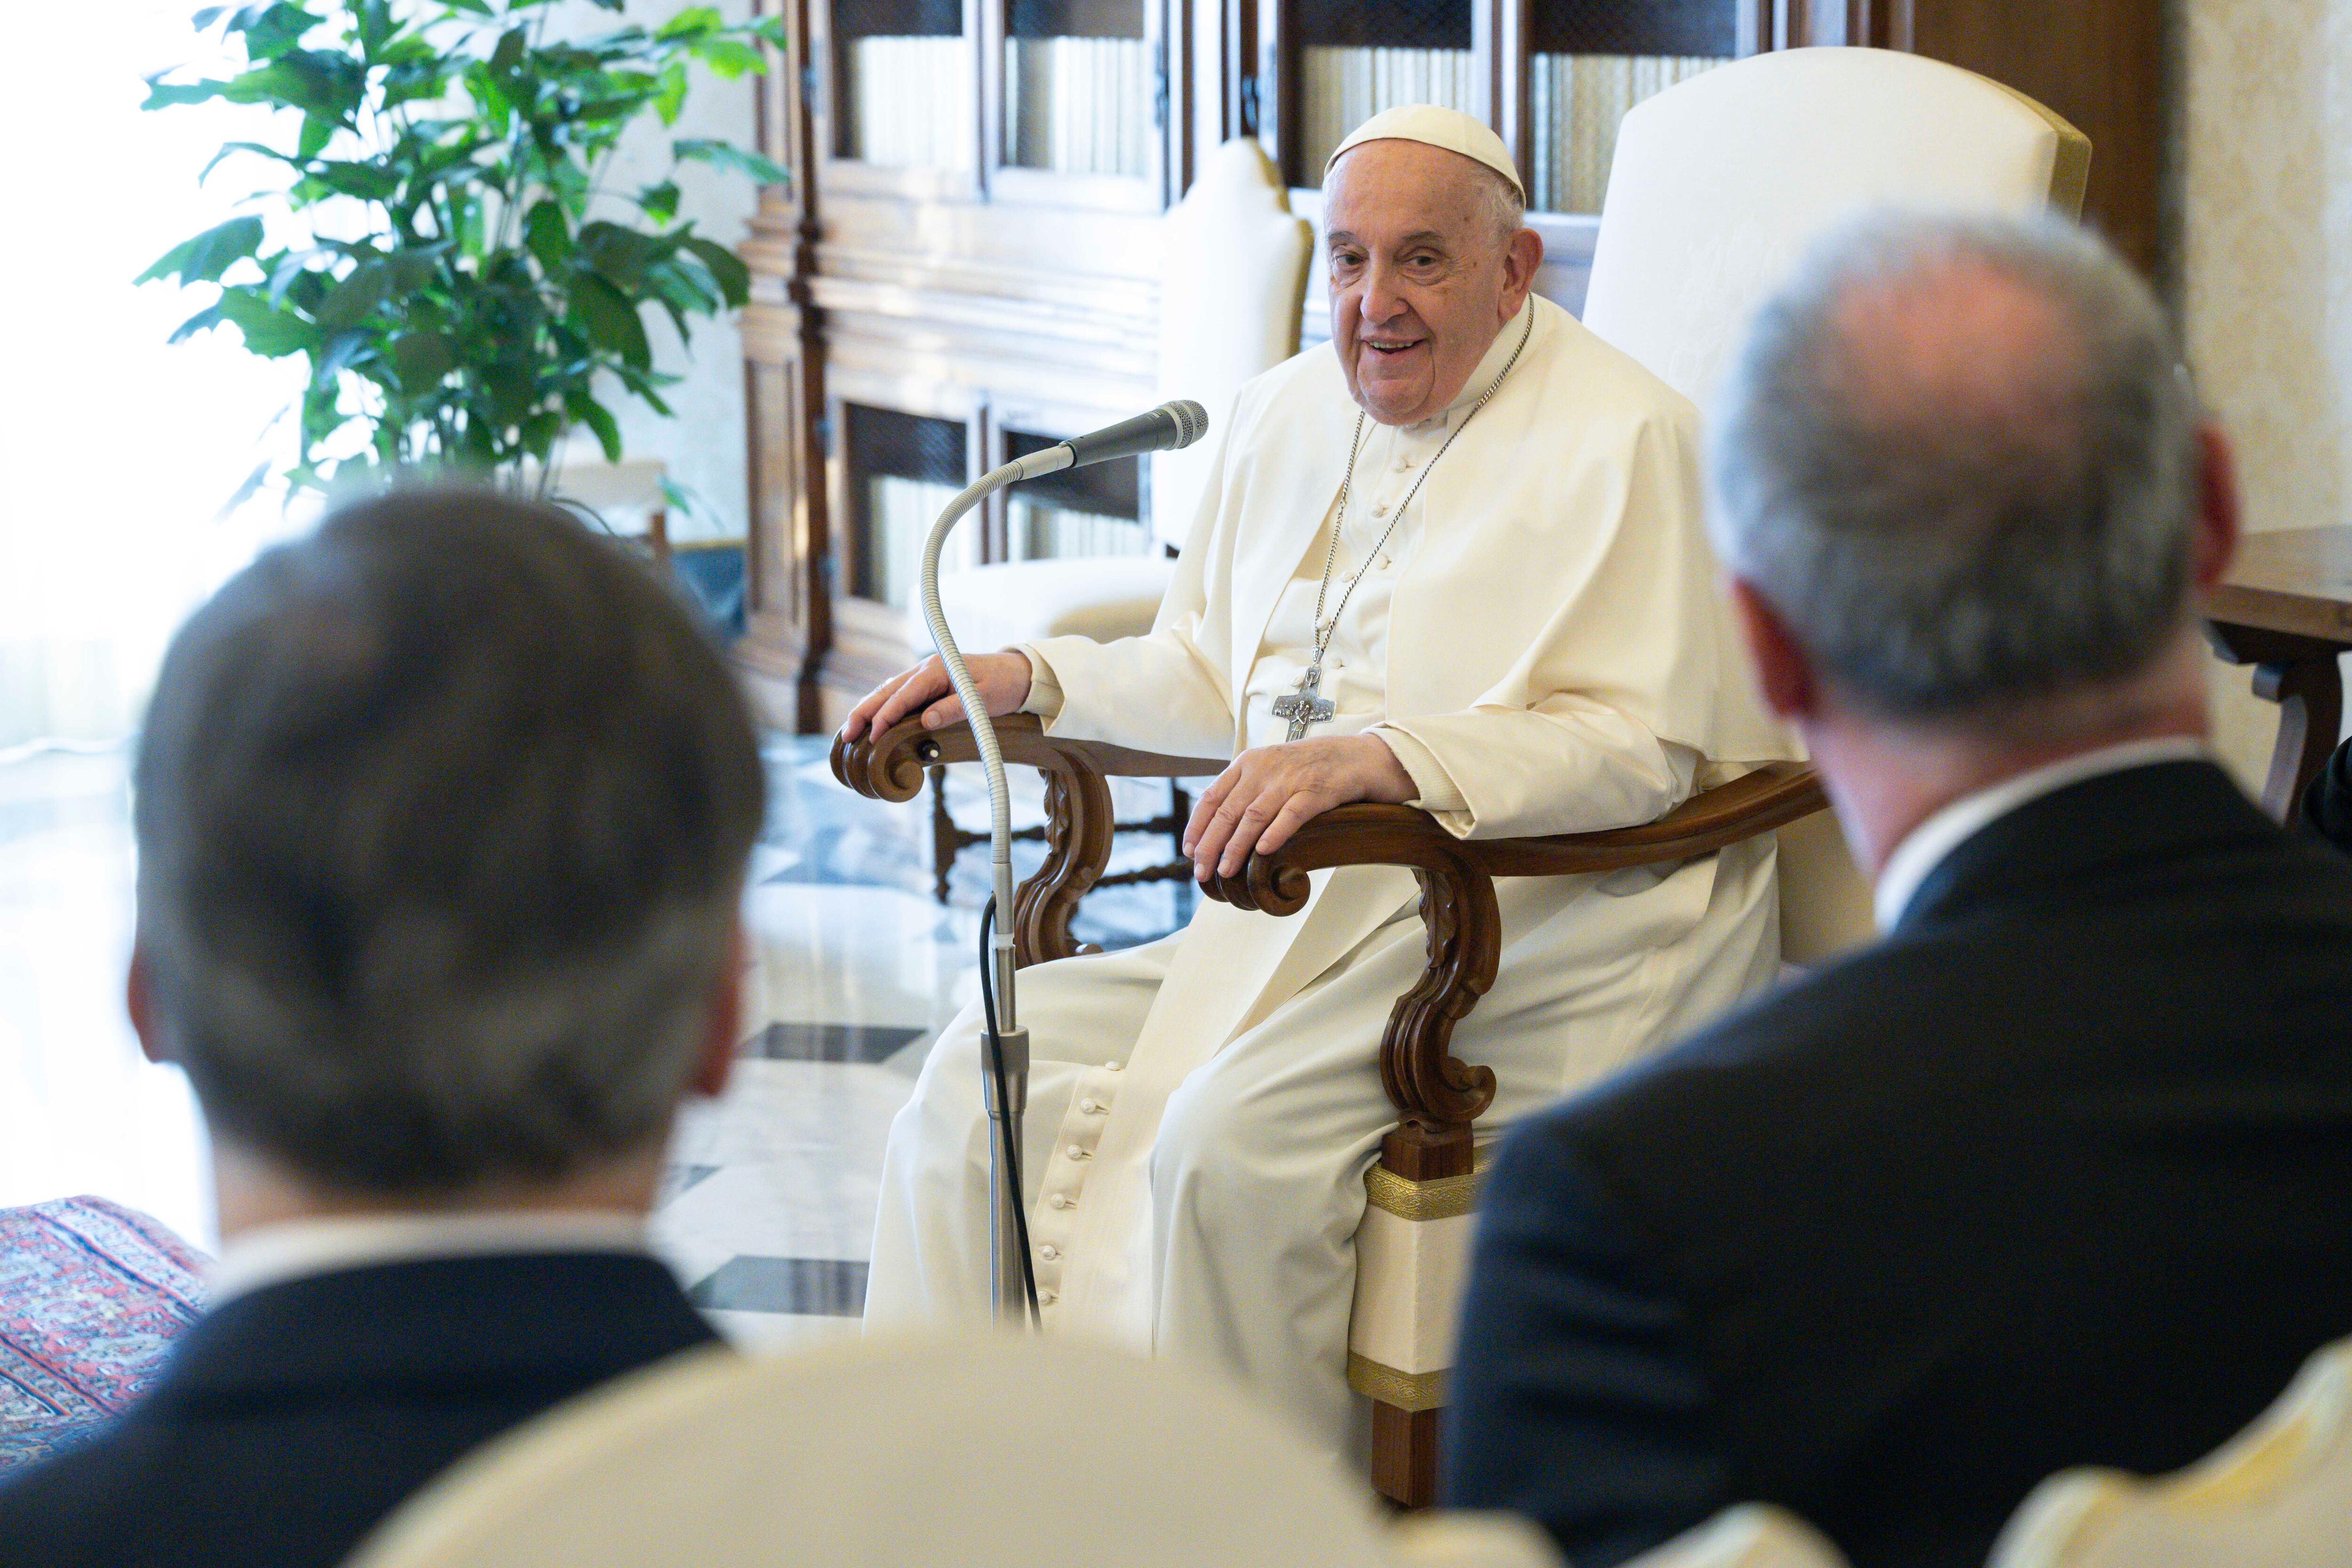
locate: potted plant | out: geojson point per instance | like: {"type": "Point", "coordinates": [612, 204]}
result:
{"type": "Point", "coordinates": [447, 258]}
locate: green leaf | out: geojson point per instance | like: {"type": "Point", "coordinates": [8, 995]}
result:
{"type": "Point", "coordinates": [270, 332]}
{"type": "Point", "coordinates": [468, 7]}
{"type": "Point", "coordinates": [507, 55]}
{"type": "Point", "coordinates": [422, 358]}
{"type": "Point", "coordinates": [776, 30]}
{"type": "Point", "coordinates": [256, 148]}
{"type": "Point", "coordinates": [546, 232]}
{"type": "Point", "coordinates": [725, 155]}
{"type": "Point", "coordinates": [730, 58]}
{"type": "Point", "coordinates": [606, 319]}
{"type": "Point", "coordinates": [373, 282]}
{"type": "Point", "coordinates": [622, 255]}
{"type": "Point", "coordinates": [345, 350]}
{"type": "Point", "coordinates": [692, 22]}
{"type": "Point", "coordinates": [162, 94]}
{"type": "Point", "coordinates": [316, 134]}
{"type": "Point", "coordinates": [207, 17]}
{"type": "Point", "coordinates": [587, 411]}
{"type": "Point", "coordinates": [660, 201]}
{"type": "Point", "coordinates": [203, 258]}
{"type": "Point", "coordinates": [670, 99]}
{"type": "Point", "coordinates": [726, 269]}
{"type": "Point", "coordinates": [275, 31]}
{"type": "Point", "coordinates": [210, 316]}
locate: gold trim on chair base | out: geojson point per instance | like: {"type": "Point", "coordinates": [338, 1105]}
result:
{"type": "Point", "coordinates": [1410, 1391]}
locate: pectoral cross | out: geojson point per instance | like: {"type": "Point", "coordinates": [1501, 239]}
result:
{"type": "Point", "coordinates": [1302, 708]}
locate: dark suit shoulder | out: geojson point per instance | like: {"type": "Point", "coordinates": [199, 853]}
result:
{"type": "Point", "coordinates": [291, 1420]}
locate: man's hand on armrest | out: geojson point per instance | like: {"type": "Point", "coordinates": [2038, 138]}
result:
{"type": "Point", "coordinates": [1264, 795]}
{"type": "Point", "coordinates": [1002, 679]}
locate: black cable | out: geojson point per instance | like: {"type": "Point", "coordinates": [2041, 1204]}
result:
{"type": "Point", "coordinates": [1012, 1151]}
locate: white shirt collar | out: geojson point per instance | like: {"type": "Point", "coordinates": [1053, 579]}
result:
{"type": "Point", "coordinates": [1932, 841]}
{"type": "Point", "coordinates": [296, 1248]}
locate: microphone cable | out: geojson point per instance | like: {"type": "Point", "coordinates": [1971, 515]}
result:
{"type": "Point", "coordinates": [1004, 1124]}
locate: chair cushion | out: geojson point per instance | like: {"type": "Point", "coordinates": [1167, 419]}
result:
{"type": "Point", "coordinates": [1102, 597]}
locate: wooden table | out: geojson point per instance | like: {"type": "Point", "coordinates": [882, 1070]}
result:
{"type": "Point", "coordinates": [2286, 608]}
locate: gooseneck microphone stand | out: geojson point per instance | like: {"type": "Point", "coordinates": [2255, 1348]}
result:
{"type": "Point", "coordinates": [1005, 1073]}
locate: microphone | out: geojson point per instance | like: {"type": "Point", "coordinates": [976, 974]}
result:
{"type": "Point", "coordinates": [1004, 1079]}
{"type": "Point", "coordinates": [1172, 425]}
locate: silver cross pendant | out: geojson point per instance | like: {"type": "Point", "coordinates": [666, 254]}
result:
{"type": "Point", "coordinates": [1302, 708]}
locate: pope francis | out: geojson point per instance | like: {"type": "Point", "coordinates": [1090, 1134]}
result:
{"type": "Point", "coordinates": [1453, 559]}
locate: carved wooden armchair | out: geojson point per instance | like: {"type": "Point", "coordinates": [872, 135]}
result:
{"type": "Point", "coordinates": [1413, 1249]}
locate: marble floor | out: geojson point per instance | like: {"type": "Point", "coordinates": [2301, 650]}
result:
{"type": "Point", "coordinates": [768, 1208]}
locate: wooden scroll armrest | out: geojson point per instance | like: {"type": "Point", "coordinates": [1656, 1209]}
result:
{"type": "Point", "coordinates": [891, 766]}
{"type": "Point", "coordinates": [1437, 1095]}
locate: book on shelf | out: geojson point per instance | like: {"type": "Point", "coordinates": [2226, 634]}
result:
{"type": "Point", "coordinates": [1574, 105]}
{"type": "Point", "coordinates": [1056, 533]}
{"type": "Point", "coordinates": [898, 517]}
{"type": "Point", "coordinates": [1078, 106]}
{"type": "Point", "coordinates": [909, 101]}
{"type": "Point", "coordinates": [1339, 89]}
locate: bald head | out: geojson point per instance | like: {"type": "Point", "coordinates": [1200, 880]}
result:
{"type": "Point", "coordinates": [1957, 457]}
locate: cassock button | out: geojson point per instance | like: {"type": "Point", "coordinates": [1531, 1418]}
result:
{"type": "Point", "coordinates": [1049, 1252]}
{"type": "Point", "coordinates": [1381, 564]}
{"type": "Point", "coordinates": [1113, 1066]}
{"type": "Point", "coordinates": [1092, 1107]}
{"type": "Point", "coordinates": [1403, 463]}
{"type": "Point", "coordinates": [1381, 510]}
{"type": "Point", "coordinates": [1077, 1152]}
{"type": "Point", "coordinates": [1044, 1298]}
{"type": "Point", "coordinates": [1060, 1200]}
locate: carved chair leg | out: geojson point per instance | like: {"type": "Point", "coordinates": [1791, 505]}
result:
{"type": "Point", "coordinates": [1404, 1455]}
{"type": "Point", "coordinates": [945, 839]}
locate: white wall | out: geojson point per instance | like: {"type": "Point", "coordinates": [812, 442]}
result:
{"type": "Point", "coordinates": [2267, 242]}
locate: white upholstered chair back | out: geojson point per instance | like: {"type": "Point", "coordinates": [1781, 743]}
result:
{"type": "Point", "coordinates": [1752, 1535]}
{"type": "Point", "coordinates": [1719, 185]}
{"type": "Point", "coordinates": [1232, 280]}
{"type": "Point", "coordinates": [989, 1452]}
{"type": "Point", "coordinates": [2278, 1496]}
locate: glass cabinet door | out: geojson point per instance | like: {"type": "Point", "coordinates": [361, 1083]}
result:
{"type": "Point", "coordinates": [1091, 511]}
{"type": "Point", "coordinates": [904, 468]}
{"type": "Point", "coordinates": [1353, 60]}
{"type": "Point", "coordinates": [1080, 89]}
{"type": "Point", "coordinates": [903, 93]}
{"type": "Point", "coordinates": [1588, 62]}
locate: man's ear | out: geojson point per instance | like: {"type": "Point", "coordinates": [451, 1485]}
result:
{"type": "Point", "coordinates": [139, 997]}
{"type": "Point", "coordinates": [723, 1029]}
{"type": "Point", "coordinates": [2217, 508]}
{"type": "Point", "coordinates": [1520, 263]}
{"type": "Point", "coordinates": [1783, 672]}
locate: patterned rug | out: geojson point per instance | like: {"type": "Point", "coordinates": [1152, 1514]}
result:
{"type": "Point", "coordinates": [92, 1296]}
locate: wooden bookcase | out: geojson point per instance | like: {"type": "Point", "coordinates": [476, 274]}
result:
{"type": "Point", "coordinates": [967, 255]}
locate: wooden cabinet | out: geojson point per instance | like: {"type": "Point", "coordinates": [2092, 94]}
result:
{"type": "Point", "coordinates": [965, 267]}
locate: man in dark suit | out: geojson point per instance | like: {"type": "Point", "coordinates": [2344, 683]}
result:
{"type": "Point", "coordinates": [2060, 1172]}
{"type": "Point", "coordinates": [442, 817]}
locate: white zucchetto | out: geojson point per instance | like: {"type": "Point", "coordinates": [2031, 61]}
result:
{"type": "Point", "coordinates": [1439, 127]}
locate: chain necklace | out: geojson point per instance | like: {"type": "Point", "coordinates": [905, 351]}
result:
{"type": "Point", "coordinates": [1306, 705]}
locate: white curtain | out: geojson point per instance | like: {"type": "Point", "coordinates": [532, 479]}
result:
{"type": "Point", "coordinates": [117, 452]}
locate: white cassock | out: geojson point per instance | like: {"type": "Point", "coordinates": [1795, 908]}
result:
{"type": "Point", "coordinates": [1540, 642]}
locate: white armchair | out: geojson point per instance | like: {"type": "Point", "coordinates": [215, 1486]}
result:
{"type": "Point", "coordinates": [2277, 1496]}
{"type": "Point", "coordinates": [997, 1452]}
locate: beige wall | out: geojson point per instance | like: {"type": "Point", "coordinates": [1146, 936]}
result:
{"type": "Point", "coordinates": [2267, 253]}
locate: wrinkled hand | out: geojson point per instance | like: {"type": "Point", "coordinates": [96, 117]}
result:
{"type": "Point", "coordinates": [1264, 795]}
{"type": "Point", "coordinates": [1002, 678]}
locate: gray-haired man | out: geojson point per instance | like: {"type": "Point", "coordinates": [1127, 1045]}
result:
{"type": "Point", "coordinates": [443, 818]}
{"type": "Point", "coordinates": [2060, 1172]}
